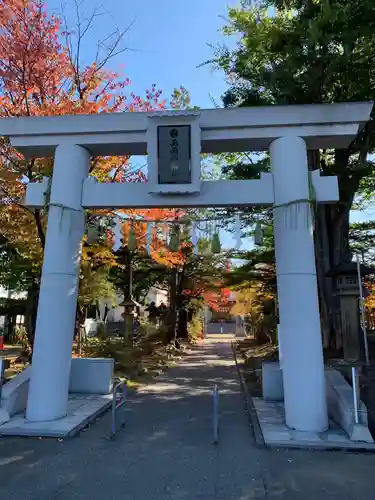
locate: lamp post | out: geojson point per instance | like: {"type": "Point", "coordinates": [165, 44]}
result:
{"type": "Point", "coordinates": [348, 288]}
{"type": "Point", "coordinates": [128, 315]}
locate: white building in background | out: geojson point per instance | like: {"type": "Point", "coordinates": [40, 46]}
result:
{"type": "Point", "coordinates": [154, 295]}
{"type": "Point", "coordinates": [9, 294]}
{"type": "Point", "coordinates": [158, 296]}
{"type": "Point", "coordinates": [115, 313]}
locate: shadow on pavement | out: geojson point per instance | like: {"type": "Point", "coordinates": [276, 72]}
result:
{"type": "Point", "coordinates": [165, 451]}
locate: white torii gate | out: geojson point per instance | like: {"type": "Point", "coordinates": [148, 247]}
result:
{"type": "Point", "coordinates": [287, 131]}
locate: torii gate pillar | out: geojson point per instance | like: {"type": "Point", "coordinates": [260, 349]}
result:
{"type": "Point", "coordinates": [55, 326]}
{"type": "Point", "coordinates": [303, 367]}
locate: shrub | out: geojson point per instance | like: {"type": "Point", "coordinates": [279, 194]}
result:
{"type": "Point", "coordinates": [101, 331]}
{"type": "Point", "coordinates": [18, 336]}
{"type": "Point", "coordinates": [128, 359]}
{"type": "Point", "coordinates": [195, 328]}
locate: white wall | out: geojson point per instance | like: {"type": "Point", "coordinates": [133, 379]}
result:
{"type": "Point", "coordinates": [8, 294]}
{"type": "Point", "coordinates": [115, 314]}
{"type": "Point", "coordinates": [5, 293]}
{"type": "Point", "coordinates": [158, 296]}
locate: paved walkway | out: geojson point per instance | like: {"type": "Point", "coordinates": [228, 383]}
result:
{"type": "Point", "coordinates": [166, 450]}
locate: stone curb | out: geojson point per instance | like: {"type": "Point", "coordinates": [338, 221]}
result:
{"type": "Point", "coordinates": [249, 406]}
{"type": "Point", "coordinates": [258, 435]}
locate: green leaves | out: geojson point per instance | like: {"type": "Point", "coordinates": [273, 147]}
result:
{"type": "Point", "coordinates": [302, 52]}
{"type": "Point", "coordinates": [305, 52]}
{"type": "Point", "coordinates": [174, 240]}
{"type": "Point", "coordinates": [215, 244]}
{"type": "Point", "coordinates": [132, 239]}
{"type": "Point", "coordinates": [362, 240]}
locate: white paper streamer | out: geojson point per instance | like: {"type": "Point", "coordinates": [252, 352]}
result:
{"type": "Point", "coordinates": [149, 238]}
{"type": "Point", "coordinates": [166, 234]}
{"type": "Point", "coordinates": [118, 234]}
{"type": "Point", "coordinates": [194, 239]}
{"type": "Point", "coordinates": [258, 235]}
{"type": "Point", "coordinates": [238, 232]}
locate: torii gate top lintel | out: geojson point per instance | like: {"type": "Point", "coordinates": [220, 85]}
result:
{"type": "Point", "coordinates": [215, 130]}
{"type": "Point", "coordinates": [223, 130]}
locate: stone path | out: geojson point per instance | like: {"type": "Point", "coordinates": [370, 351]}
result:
{"type": "Point", "coordinates": [166, 450]}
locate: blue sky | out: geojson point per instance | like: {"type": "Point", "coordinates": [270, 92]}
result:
{"type": "Point", "coordinates": [166, 41]}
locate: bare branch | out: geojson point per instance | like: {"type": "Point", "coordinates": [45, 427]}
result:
{"type": "Point", "coordinates": [15, 201]}
{"type": "Point", "coordinates": [9, 158]}
{"type": "Point", "coordinates": [112, 48]}
{"type": "Point", "coordinates": [248, 157]}
{"type": "Point", "coordinates": [94, 164]}
{"type": "Point", "coordinates": [361, 142]}
{"type": "Point", "coordinates": [82, 30]}
{"type": "Point", "coordinates": [39, 226]}
{"type": "Point", "coordinates": [116, 173]}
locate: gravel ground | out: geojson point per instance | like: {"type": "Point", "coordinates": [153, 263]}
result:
{"type": "Point", "coordinates": [165, 451]}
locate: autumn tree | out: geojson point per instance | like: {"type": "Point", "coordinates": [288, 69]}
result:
{"type": "Point", "coordinates": [293, 52]}
{"type": "Point", "coordinates": [362, 240]}
{"type": "Point", "coordinates": [138, 263]}
{"type": "Point", "coordinates": [196, 280]}
{"type": "Point", "coordinates": [41, 73]}
{"type": "Point", "coordinates": [258, 309]}
{"type": "Point", "coordinates": [170, 263]}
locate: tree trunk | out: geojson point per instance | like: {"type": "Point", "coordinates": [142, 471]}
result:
{"type": "Point", "coordinates": [331, 237]}
{"type": "Point", "coordinates": [11, 326]}
{"type": "Point", "coordinates": [106, 311]}
{"type": "Point", "coordinates": [128, 275]}
{"type": "Point", "coordinates": [80, 322]}
{"type": "Point", "coordinates": [31, 310]}
{"type": "Point", "coordinates": [329, 305]}
{"type": "Point", "coordinates": [171, 317]}
{"type": "Point", "coordinates": [80, 332]}
{"type": "Point", "coordinates": [331, 251]}
{"type": "Point", "coordinates": [182, 328]}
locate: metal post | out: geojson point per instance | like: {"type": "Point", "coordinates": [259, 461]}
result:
{"type": "Point", "coordinates": [215, 400]}
{"type": "Point", "coordinates": [117, 403]}
{"type": "Point", "coordinates": [113, 412]}
{"type": "Point", "coordinates": [355, 394]}
{"type": "Point", "coordinates": [131, 280]}
{"type": "Point", "coordinates": [362, 312]}
{"type": "Point", "coordinates": [2, 375]}
{"type": "Point", "coordinates": [205, 321]}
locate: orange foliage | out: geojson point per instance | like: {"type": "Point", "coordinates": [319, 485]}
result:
{"type": "Point", "coordinates": [159, 250]}
{"type": "Point", "coordinates": [39, 75]}
{"type": "Point", "coordinates": [370, 300]}
{"type": "Point", "coordinates": [217, 299]}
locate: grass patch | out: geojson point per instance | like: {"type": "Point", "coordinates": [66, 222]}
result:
{"type": "Point", "coordinates": [147, 358]}
{"type": "Point", "coordinates": [253, 355]}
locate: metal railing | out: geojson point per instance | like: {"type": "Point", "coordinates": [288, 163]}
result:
{"type": "Point", "coordinates": [119, 398]}
{"type": "Point", "coordinates": [362, 312]}
{"type": "Point", "coordinates": [356, 394]}
{"type": "Point", "coordinates": [3, 366]}
{"type": "Point", "coordinates": [215, 407]}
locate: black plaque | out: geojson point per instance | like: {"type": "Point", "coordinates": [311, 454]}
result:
{"type": "Point", "coordinates": [174, 154]}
